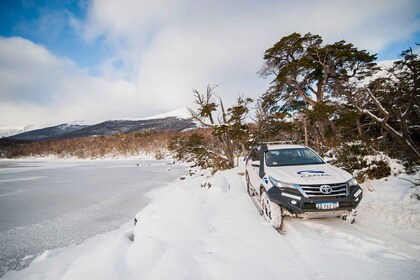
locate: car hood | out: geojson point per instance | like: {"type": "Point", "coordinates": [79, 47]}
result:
{"type": "Point", "coordinates": [309, 174]}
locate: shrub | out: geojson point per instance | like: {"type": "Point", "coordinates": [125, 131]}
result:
{"type": "Point", "coordinates": [364, 161]}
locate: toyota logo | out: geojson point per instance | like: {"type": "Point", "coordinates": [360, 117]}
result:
{"type": "Point", "coordinates": [325, 189]}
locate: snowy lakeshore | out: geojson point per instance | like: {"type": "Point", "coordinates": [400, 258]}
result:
{"type": "Point", "coordinates": [188, 231]}
{"type": "Point", "coordinates": [47, 204]}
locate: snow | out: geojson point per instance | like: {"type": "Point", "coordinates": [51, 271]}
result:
{"type": "Point", "coordinates": [395, 165]}
{"type": "Point", "coordinates": [46, 204]}
{"type": "Point", "coordinates": [83, 122]}
{"type": "Point", "coordinates": [205, 227]}
{"type": "Point", "coordinates": [6, 131]}
{"type": "Point", "coordinates": [181, 113]}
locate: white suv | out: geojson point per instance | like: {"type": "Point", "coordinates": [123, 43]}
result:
{"type": "Point", "coordinates": [294, 178]}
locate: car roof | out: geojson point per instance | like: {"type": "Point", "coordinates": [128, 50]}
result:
{"type": "Point", "coordinates": [284, 146]}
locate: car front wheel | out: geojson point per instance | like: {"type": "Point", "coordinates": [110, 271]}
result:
{"type": "Point", "coordinates": [271, 211]}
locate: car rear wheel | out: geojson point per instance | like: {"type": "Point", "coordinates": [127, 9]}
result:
{"type": "Point", "coordinates": [272, 212]}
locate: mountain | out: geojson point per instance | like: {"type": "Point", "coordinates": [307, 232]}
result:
{"type": "Point", "coordinates": [6, 131]}
{"type": "Point", "coordinates": [172, 121]}
{"type": "Point", "coordinates": [54, 132]}
{"type": "Point", "coordinates": [118, 126]}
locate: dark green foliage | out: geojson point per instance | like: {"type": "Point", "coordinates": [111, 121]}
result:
{"type": "Point", "coordinates": [192, 148]}
{"type": "Point", "coordinates": [309, 76]}
{"type": "Point", "coordinates": [363, 158]}
{"type": "Point", "coordinates": [306, 70]}
{"type": "Point", "coordinates": [324, 88]}
{"type": "Point", "coordinates": [376, 170]}
{"type": "Point", "coordinates": [321, 111]}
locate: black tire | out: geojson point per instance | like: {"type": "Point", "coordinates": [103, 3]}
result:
{"type": "Point", "coordinates": [272, 212]}
{"type": "Point", "coordinates": [248, 185]}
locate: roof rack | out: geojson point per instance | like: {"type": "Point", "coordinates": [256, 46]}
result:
{"type": "Point", "coordinates": [282, 142]}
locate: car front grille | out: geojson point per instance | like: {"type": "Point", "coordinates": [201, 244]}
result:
{"type": "Point", "coordinates": [337, 190]}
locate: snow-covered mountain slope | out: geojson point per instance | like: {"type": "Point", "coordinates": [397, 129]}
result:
{"type": "Point", "coordinates": [53, 132]}
{"type": "Point", "coordinates": [193, 232]}
{"type": "Point", "coordinates": [181, 113]}
{"type": "Point", "coordinates": [6, 131]}
{"type": "Point", "coordinates": [117, 126]}
{"type": "Point", "coordinates": [176, 120]}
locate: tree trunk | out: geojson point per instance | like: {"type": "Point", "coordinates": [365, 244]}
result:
{"type": "Point", "coordinates": [317, 143]}
{"type": "Point", "coordinates": [227, 148]}
{"type": "Point", "coordinates": [359, 128]}
{"type": "Point", "coordinates": [400, 139]}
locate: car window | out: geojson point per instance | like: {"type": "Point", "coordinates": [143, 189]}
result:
{"type": "Point", "coordinates": [255, 154]}
{"type": "Point", "coordinates": [297, 156]}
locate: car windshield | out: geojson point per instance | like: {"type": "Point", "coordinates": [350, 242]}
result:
{"type": "Point", "coordinates": [297, 156]}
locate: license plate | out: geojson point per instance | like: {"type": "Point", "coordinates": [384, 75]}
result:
{"type": "Point", "coordinates": [326, 205]}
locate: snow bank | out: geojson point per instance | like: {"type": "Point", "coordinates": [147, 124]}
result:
{"type": "Point", "coordinates": [193, 231]}
{"type": "Point", "coordinates": [394, 201]}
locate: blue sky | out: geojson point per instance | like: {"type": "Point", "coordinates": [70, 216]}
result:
{"type": "Point", "coordinates": [49, 23]}
{"type": "Point", "coordinates": [80, 59]}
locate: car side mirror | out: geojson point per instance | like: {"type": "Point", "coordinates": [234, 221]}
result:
{"type": "Point", "coordinates": [255, 163]}
{"type": "Point", "coordinates": [330, 160]}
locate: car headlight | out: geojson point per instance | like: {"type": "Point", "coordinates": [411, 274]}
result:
{"type": "Point", "coordinates": [352, 182]}
{"type": "Point", "coordinates": [280, 184]}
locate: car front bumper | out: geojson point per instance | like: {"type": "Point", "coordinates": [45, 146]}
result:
{"type": "Point", "coordinates": [296, 203]}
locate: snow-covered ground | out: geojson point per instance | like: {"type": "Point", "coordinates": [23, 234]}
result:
{"type": "Point", "coordinates": [46, 204]}
{"type": "Point", "coordinates": [193, 232]}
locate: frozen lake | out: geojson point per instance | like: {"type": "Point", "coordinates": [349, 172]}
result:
{"type": "Point", "coordinates": [51, 204]}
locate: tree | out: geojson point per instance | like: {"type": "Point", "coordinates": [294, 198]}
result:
{"type": "Point", "coordinates": [392, 101]}
{"type": "Point", "coordinates": [305, 70]}
{"type": "Point", "coordinates": [227, 125]}
{"type": "Point", "coordinates": [308, 73]}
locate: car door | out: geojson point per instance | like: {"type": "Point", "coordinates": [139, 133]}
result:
{"type": "Point", "coordinates": [253, 167]}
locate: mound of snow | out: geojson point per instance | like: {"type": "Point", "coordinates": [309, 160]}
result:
{"type": "Point", "coordinates": [392, 200]}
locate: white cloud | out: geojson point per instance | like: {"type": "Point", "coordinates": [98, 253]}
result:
{"type": "Point", "coordinates": [191, 43]}
{"type": "Point", "coordinates": [163, 49]}
{"type": "Point", "coordinates": [37, 87]}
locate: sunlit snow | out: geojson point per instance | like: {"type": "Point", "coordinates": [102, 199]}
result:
{"type": "Point", "coordinates": [206, 227]}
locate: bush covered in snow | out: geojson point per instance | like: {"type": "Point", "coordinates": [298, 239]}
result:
{"type": "Point", "coordinates": [364, 161]}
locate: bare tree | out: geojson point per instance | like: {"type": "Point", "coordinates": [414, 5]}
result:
{"type": "Point", "coordinates": [227, 124]}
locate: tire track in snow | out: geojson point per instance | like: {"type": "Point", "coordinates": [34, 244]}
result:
{"type": "Point", "coordinates": [391, 241]}
{"type": "Point", "coordinates": [312, 271]}
{"type": "Point", "coordinates": [365, 233]}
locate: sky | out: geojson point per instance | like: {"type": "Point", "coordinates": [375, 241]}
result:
{"type": "Point", "coordinates": [69, 60]}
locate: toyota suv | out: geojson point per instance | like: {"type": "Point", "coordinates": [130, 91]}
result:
{"type": "Point", "coordinates": [294, 179]}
